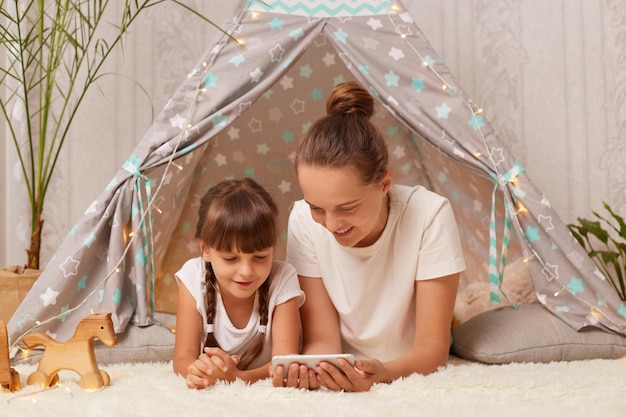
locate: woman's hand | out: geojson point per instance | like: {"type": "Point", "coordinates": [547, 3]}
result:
{"type": "Point", "coordinates": [359, 378]}
{"type": "Point", "coordinates": [299, 376]}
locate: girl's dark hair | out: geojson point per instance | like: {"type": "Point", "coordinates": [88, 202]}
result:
{"type": "Point", "coordinates": [345, 137]}
{"type": "Point", "coordinates": [238, 215]}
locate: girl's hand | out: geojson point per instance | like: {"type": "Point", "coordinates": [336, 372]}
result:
{"type": "Point", "coordinates": [299, 376]}
{"type": "Point", "coordinates": [365, 373]}
{"type": "Point", "coordinates": [223, 365]}
{"type": "Point", "coordinates": [199, 373]}
{"type": "Point", "coordinates": [210, 367]}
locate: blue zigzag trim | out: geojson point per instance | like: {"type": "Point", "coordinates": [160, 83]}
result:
{"type": "Point", "coordinates": [321, 9]}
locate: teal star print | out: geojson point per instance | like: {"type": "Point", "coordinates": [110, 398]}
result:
{"type": "Point", "coordinates": [249, 172]}
{"type": "Point", "coordinates": [142, 258]}
{"type": "Point", "coordinates": [89, 240]}
{"type": "Point", "coordinates": [82, 284]}
{"type": "Point", "coordinates": [341, 36]}
{"type": "Point", "coordinates": [317, 94]}
{"type": "Point", "coordinates": [117, 296]}
{"type": "Point", "coordinates": [209, 80]}
{"type": "Point", "coordinates": [476, 122]}
{"type": "Point", "coordinates": [576, 285]}
{"type": "Point", "coordinates": [288, 137]}
{"type": "Point", "coordinates": [65, 312]}
{"type": "Point", "coordinates": [532, 233]}
{"type": "Point", "coordinates": [417, 84]}
{"type": "Point", "coordinates": [276, 24]}
{"type": "Point", "coordinates": [219, 120]}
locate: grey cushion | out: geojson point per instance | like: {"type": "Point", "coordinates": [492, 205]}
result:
{"type": "Point", "coordinates": [136, 344]}
{"type": "Point", "coordinates": [531, 334]}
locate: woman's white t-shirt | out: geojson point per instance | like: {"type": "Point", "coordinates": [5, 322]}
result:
{"type": "Point", "coordinates": [372, 288]}
{"type": "Point", "coordinates": [283, 287]}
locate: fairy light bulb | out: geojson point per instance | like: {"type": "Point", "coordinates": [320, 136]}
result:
{"type": "Point", "coordinates": [595, 313]}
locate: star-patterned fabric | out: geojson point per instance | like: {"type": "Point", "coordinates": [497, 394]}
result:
{"type": "Point", "coordinates": [241, 112]}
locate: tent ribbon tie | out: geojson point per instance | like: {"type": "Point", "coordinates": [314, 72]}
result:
{"type": "Point", "coordinates": [496, 269]}
{"type": "Point", "coordinates": [148, 236]}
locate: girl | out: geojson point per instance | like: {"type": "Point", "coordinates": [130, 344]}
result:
{"type": "Point", "coordinates": [379, 263]}
{"type": "Point", "coordinates": [236, 306]}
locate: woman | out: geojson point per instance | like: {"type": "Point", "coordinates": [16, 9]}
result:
{"type": "Point", "coordinates": [379, 263]}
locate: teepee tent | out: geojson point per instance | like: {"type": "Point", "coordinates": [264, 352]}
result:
{"type": "Point", "coordinates": [240, 113]}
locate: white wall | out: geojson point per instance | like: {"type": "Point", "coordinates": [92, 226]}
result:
{"type": "Point", "coordinates": [549, 74]}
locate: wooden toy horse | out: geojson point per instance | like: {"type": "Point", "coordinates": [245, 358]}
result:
{"type": "Point", "coordinates": [9, 378]}
{"type": "Point", "coordinates": [77, 354]}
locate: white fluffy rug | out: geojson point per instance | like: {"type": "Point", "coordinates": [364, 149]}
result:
{"type": "Point", "coordinates": [586, 388]}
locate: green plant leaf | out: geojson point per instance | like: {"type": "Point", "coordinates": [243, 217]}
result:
{"type": "Point", "coordinates": [595, 228]}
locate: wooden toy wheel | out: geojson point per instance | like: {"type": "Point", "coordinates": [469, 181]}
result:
{"type": "Point", "coordinates": [92, 381]}
{"type": "Point", "coordinates": [15, 384]}
{"type": "Point", "coordinates": [40, 378]}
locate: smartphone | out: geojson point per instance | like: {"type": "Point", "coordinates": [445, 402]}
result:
{"type": "Point", "coordinates": [311, 361]}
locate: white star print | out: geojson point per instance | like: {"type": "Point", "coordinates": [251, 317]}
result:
{"type": "Point", "coordinates": [256, 75]}
{"type": "Point", "coordinates": [374, 23]}
{"type": "Point", "coordinates": [70, 267]}
{"type": "Point", "coordinates": [284, 186]}
{"type": "Point", "coordinates": [49, 297]}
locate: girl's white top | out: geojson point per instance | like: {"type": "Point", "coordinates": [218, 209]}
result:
{"type": "Point", "coordinates": [284, 286]}
{"type": "Point", "coordinates": [373, 288]}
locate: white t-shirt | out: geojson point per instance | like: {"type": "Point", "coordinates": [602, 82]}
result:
{"type": "Point", "coordinates": [284, 286]}
{"type": "Point", "coordinates": [372, 287]}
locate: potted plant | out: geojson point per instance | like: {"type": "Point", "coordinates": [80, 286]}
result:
{"type": "Point", "coordinates": [54, 50]}
{"type": "Point", "coordinates": [604, 240]}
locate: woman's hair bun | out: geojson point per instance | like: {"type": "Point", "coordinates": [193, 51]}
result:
{"type": "Point", "coordinates": [350, 98]}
